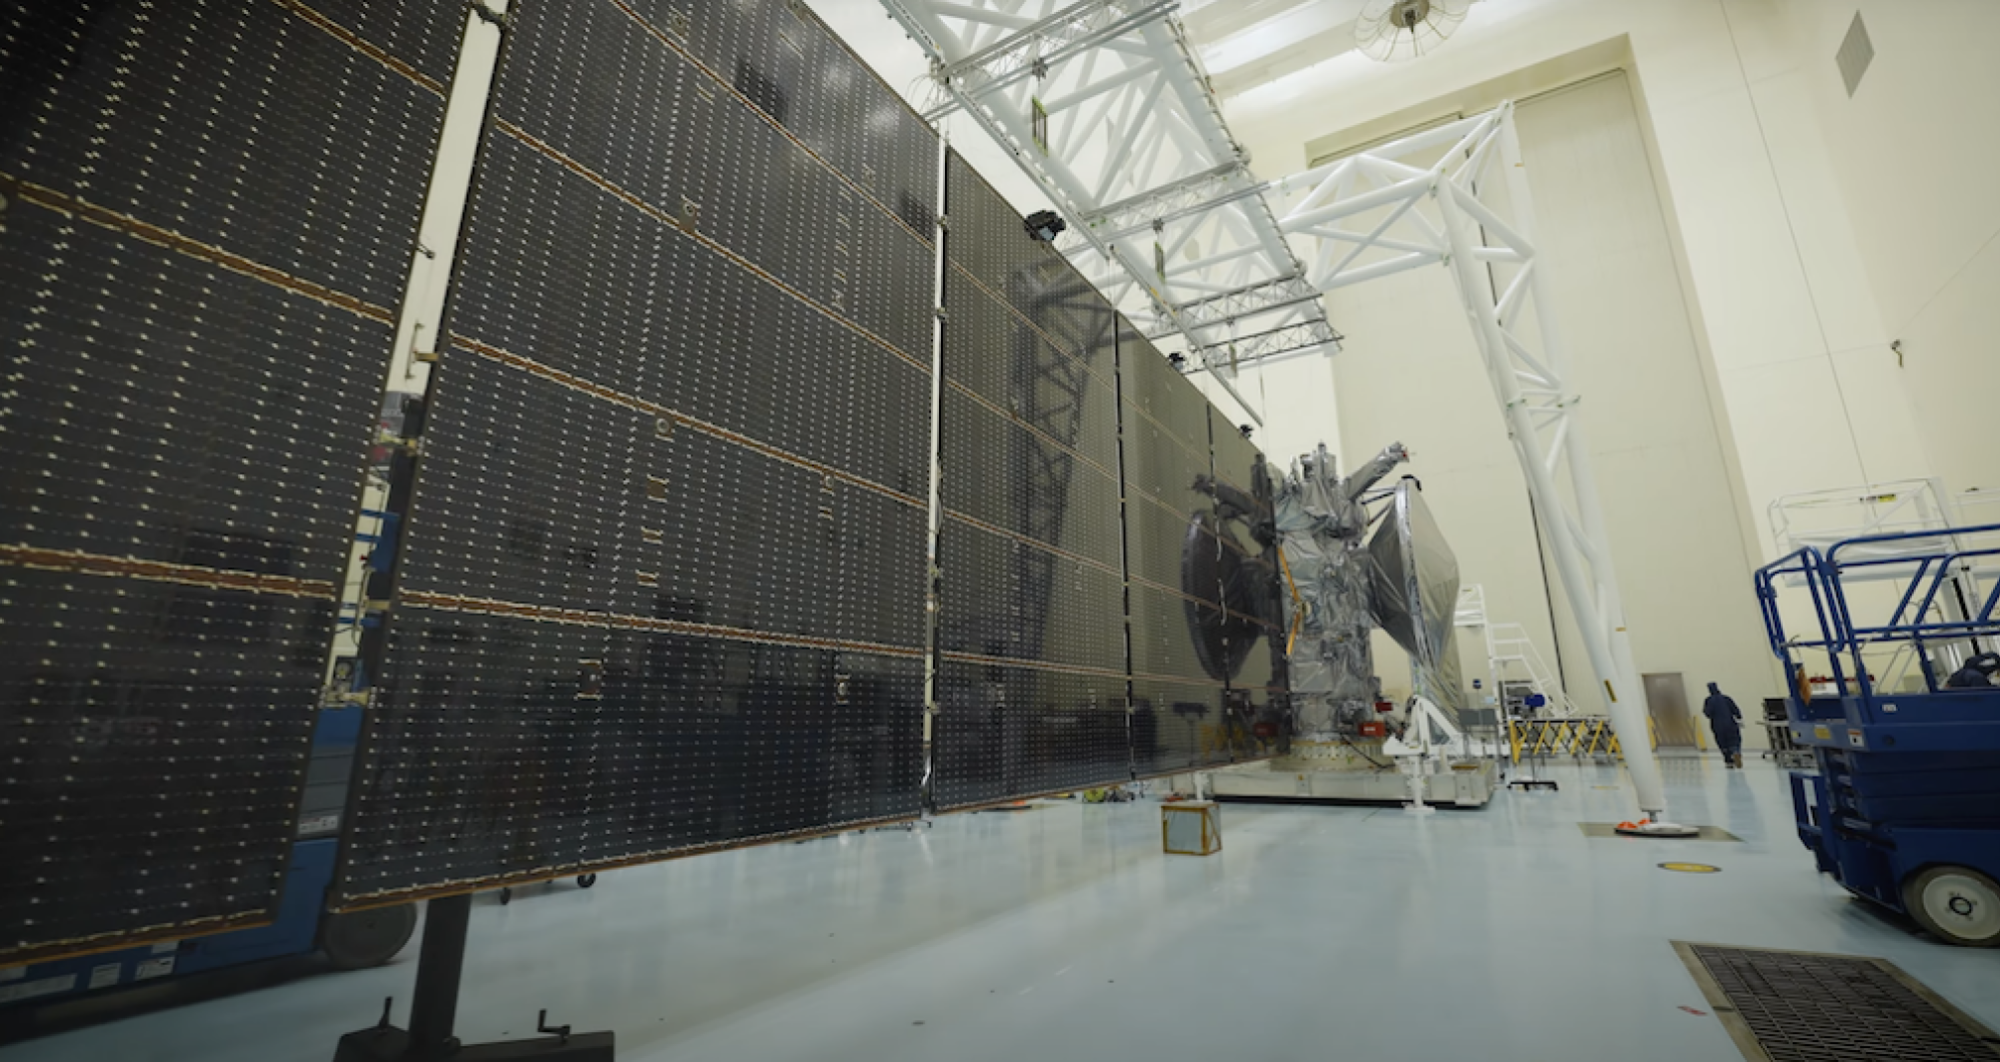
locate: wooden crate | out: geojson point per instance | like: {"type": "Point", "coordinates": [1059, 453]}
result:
{"type": "Point", "coordinates": [1191, 827]}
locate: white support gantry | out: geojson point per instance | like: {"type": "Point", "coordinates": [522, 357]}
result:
{"type": "Point", "coordinates": [1458, 196]}
{"type": "Point", "coordinates": [1104, 105]}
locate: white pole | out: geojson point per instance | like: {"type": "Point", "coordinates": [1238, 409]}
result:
{"type": "Point", "coordinates": [1634, 734]}
{"type": "Point", "coordinates": [1593, 601]}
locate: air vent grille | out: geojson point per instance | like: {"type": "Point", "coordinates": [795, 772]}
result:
{"type": "Point", "coordinates": [1856, 52]}
{"type": "Point", "coordinates": [1788, 1006]}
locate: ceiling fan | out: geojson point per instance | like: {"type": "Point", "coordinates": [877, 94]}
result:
{"type": "Point", "coordinates": [1391, 30]}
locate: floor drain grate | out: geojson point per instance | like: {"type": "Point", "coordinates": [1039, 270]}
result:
{"type": "Point", "coordinates": [1794, 1006]}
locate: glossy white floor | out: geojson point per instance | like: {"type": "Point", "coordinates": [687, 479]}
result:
{"type": "Point", "coordinates": [1064, 933]}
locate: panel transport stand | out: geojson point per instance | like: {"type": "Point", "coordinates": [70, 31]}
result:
{"type": "Point", "coordinates": [434, 1010]}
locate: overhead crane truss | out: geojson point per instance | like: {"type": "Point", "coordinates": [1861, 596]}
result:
{"type": "Point", "coordinates": [1104, 105]}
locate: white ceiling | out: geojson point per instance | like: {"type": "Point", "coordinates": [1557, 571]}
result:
{"type": "Point", "coordinates": [1245, 43]}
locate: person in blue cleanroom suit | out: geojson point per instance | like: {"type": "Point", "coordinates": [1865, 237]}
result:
{"type": "Point", "coordinates": [1722, 716]}
{"type": "Point", "coordinates": [1977, 674]}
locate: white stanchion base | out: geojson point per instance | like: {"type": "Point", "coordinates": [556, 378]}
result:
{"type": "Point", "coordinates": [1658, 829]}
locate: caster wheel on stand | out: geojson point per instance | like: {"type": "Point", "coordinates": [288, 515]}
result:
{"type": "Point", "coordinates": [584, 881]}
{"type": "Point", "coordinates": [357, 940]}
{"type": "Point", "coordinates": [506, 895]}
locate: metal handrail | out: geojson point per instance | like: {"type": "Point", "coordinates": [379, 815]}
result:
{"type": "Point", "coordinates": [1841, 635]}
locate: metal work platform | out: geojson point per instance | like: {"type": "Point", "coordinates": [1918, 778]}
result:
{"type": "Point", "coordinates": [1904, 807]}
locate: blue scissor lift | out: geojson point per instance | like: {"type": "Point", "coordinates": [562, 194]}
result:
{"type": "Point", "coordinates": [1904, 808]}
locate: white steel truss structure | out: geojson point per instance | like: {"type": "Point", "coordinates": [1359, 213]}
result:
{"type": "Point", "coordinates": [1104, 105]}
{"type": "Point", "coordinates": [1458, 195]}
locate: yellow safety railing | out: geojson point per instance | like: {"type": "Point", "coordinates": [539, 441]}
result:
{"type": "Point", "coordinates": [1578, 737]}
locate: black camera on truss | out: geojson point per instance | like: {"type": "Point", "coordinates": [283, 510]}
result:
{"type": "Point", "coordinates": [1045, 225]}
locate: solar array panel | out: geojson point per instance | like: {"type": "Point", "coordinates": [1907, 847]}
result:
{"type": "Point", "coordinates": [1251, 598]}
{"type": "Point", "coordinates": [1177, 694]}
{"type": "Point", "coordinates": [1031, 651]}
{"type": "Point", "coordinates": [206, 216]}
{"type": "Point", "coordinates": [662, 587]}
{"type": "Point", "coordinates": [1075, 483]}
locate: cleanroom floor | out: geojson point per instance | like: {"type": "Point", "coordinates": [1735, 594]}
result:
{"type": "Point", "coordinates": [1062, 932]}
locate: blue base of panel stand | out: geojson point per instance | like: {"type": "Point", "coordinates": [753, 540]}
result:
{"type": "Point", "coordinates": [434, 1011]}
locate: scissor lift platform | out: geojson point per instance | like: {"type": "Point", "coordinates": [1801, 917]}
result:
{"type": "Point", "coordinates": [1903, 807]}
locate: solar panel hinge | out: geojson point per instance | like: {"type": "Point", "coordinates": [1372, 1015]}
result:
{"type": "Point", "coordinates": [392, 441]}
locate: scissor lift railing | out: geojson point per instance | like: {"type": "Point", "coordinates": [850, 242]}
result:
{"type": "Point", "coordinates": [1932, 616]}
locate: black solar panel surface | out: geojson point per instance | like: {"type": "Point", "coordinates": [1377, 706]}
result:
{"type": "Point", "coordinates": [1031, 677]}
{"type": "Point", "coordinates": [210, 211]}
{"type": "Point", "coordinates": [664, 577]}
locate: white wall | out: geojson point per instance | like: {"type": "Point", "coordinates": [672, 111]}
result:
{"type": "Point", "coordinates": [1914, 159]}
{"type": "Point", "coordinates": [1673, 514]}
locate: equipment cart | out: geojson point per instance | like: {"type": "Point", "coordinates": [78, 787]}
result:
{"type": "Point", "coordinates": [1903, 807]}
{"type": "Point", "coordinates": [1777, 724]}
